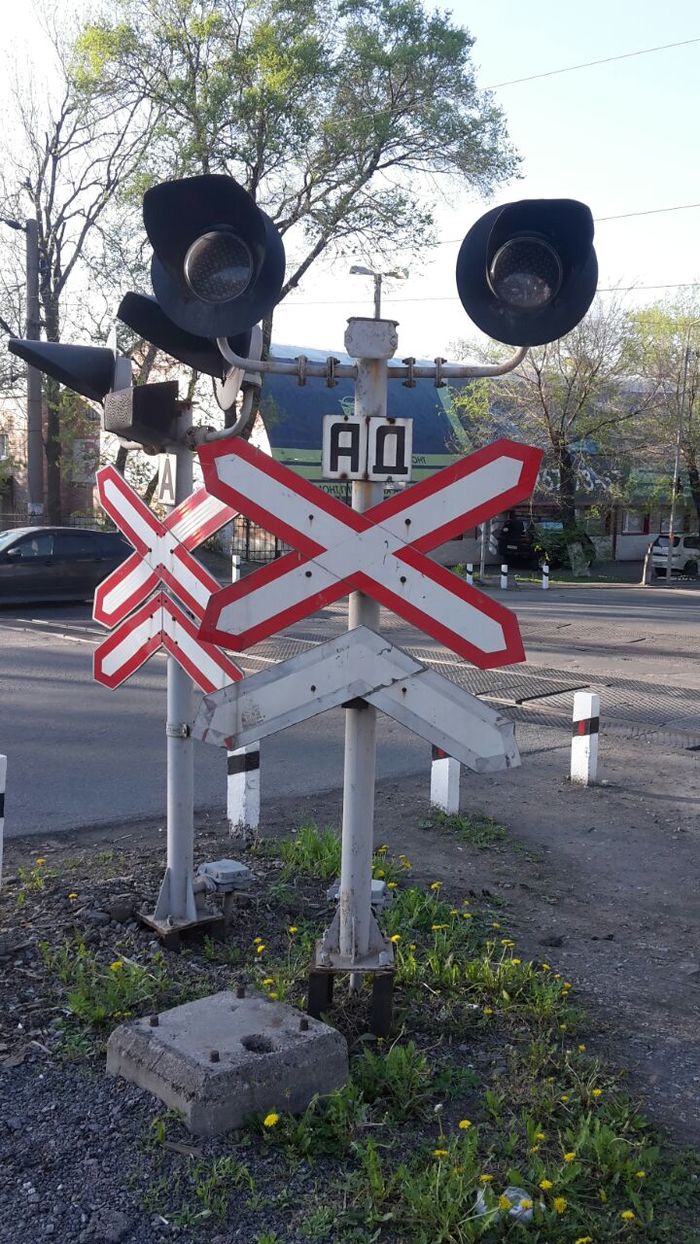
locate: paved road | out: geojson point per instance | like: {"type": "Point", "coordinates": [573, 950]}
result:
{"type": "Point", "coordinates": [79, 754]}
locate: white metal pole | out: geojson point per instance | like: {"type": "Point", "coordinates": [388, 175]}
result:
{"type": "Point", "coordinates": [470, 573]}
{"type": "Point", "coordinates": [676, 467]}
{"type": "Point", "coordinates": [176, 900]}
{"type": "Point", "coordinates": [482, 559]}
{"type": "Point", "coordinates": [545, 576]}
{"type": "Point", "coordinates": [504, 577]}
{"type": "Point", "coordinates": [354, 897]}
{"type": "Point", "coordinates": [584, 739]}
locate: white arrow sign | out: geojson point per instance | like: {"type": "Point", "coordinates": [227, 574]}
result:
{"type": "Point", "coordinates": [360, 664]}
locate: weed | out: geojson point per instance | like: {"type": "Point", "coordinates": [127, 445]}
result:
{"type": "Point", "coordinates": [401, 1079]}
{"type": "Point", "coordinates": [98, 993]}
{"type": "Point", "coordinates": [311, 852]}
{"type": "Point", "coordinates": [478, 829]}
{"type": "Point", "coordinates": [32, 880]}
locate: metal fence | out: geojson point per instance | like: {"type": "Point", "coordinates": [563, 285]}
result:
{"type": "Point", "coordinates": [252, 544]}
{"type": "Point", "coordinates": [15, 518]}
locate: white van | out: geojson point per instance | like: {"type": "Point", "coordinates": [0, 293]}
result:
{"type": "Point", "coordinates": [685, 555]}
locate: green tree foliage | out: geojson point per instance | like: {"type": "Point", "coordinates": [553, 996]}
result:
{"type": "Point", "coordinates": [332, 113]}
{"type": "Point", "coordinates": [668, 341]}
{"type": "Point", "coordinates": [581, 393]}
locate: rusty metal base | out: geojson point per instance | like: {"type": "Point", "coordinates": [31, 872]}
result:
{"type": "Point", "coordinates": [173, 935]}
{"type": "Point", "coordinates": [320, 995]}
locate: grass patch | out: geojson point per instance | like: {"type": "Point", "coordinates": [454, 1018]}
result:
{"type": "Point", "coordinates": [311, 853]}
{"type": "Point", "coordinates": [99, 994]}
{"type": "Point", "coordinates": [478, 829]}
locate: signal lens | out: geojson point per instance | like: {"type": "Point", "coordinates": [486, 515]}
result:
{"type": "Point", "coordinates": [526, 273]}
{"type": "Point", "coordinates": [218, 266]}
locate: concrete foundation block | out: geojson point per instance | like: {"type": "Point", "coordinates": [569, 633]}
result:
{"type": "Point", "coordinates": [221, 1059]}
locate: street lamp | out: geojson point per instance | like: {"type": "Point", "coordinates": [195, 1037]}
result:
{"type": "Point", "coordinates": [35, 443]}
{"type": "Point", "coordinates": [398, 274]}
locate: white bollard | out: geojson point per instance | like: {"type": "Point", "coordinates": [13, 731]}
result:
{"type": "Point", "coordinates": [584, 741]}
{"type": "Point", "coordinates": [504, 578]}
{"type": "Point", "coordinates": [243, 790]}
{"type": "Point", "coordinates": [444, 782]}
{"type": "Point", "coordinates": [545, 577]}
{"type": "Point", "coordinates": [3, 775]}
{"type": "Point", "coordinates": [242, 772]}
{"type": "Point", "coordinates": [470, 573]}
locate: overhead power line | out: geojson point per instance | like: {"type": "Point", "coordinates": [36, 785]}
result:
{"type": "Point", "coordinates": [588, 64]}
{"type": "Point", "coordinates": [607, 289]}
{"type": "Point", "coordinates": [648, 211]}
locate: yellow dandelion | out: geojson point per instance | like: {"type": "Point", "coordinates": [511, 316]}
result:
{"type": "Point", "coordinates": [488, 1010]}
{"type": "Point", "coordinates": [405, 862]}
{"type": "Point", "coordinates": [534, 1149]}
{"type": "Point", "coordinates": [391, 885]}
{"type": "Point", "coordinates": [383, 849]}
{"type": "Point", "coordinates": [564, 1097]}
{"type": "Point", "coordinates": [495, 925]}
{"type": "Point", "coordinates": [268, 981]}
{"type": "Point", "coordinates": [640, 1174]}
{"type": "Point", "coordinates": [454, 911]}
{"type": "Point", "coordinates": [526, 1203]}
{"type": "Point", "coordinates": [485, 1179]}
{"type": "Point", "coordinates": [40, 860]}
{"type": "Point", "coordinates": [436, 928]}
{"type": "Point", "coordinates": [256, 941]}
{"type": "Point", "coordinates": [271, 1119]}
{"type": "Point", "coordinates": [440, 1153]}
{"type": "Point", "coordinates": [560, 1204]}
{"type": "Point", "coordinates": [596, 1092]}
{"type": "Point", "coordinates": [563, 1027]}
{"type": "Point", "coordinates": [464, 1125]}
{"type": "Point", "coordinates": [259, 949]}
{"type": "Point", "coordinates": [540, 1136]}
{"type": "Point", "coordinates": [516, 962]}
{"type": "Point", "coordinates": [436, 885]}
{"type": "Point", "coordinates": [546, 1184]}
{"type": "Point", "coordinates": [292, 929]}
{"type": "Point", "coordinates": [117, 965]}
{"type": "Point", "coordinates": [582, 1049]}
{"type": "Point", "coordinates": [379, 873]}
{"type": "Point", "coordinates": [584, 1239]}
{"type": "Point", "coordinates": [602, 1195]}
{"type": "Point", "coordinates": [566, 985]}
{"type": "Point", "coordinates": [274, 996]}
{"type": "Point", "coordinates": [467, 915]}
{"type": "Point", "coordinates": [507, 942]}
{"type": "Point", "coordinates": [412, 946]}
{"type": "Point", "coordinates": [546, 967]}
{"type": "Point", "coordinates": [628, 1215]}
{"type": "Point", "coordinates": [504, 1202]}
{"type": "Point", "coordinates": [569, 1157]}
{"type": "Point", "coordinates": [72, 896]}
{"type": "Point", "coordinates": [395, 937]}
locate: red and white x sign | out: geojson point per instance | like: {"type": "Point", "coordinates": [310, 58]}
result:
{"type": "Point", "coordinates": [162, 549]}
{"type": "Point", "coordinates": [380, 552]}
{"type": "Point", "coordinates": [161, 623]}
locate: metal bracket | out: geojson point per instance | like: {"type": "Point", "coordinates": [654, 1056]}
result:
{"type": "Point", "coordinates": [331, 367]}
{"type": "Point", "coordinates": [410, 381]}
{"type": "Point", "coordinates": [302, 362]}
{"type": "Point", "coordinates": [439, 380]}
{"type": "Point", "coordinates": [177, 730]}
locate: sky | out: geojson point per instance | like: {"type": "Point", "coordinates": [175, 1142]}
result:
{"type": "Point", "coordinates": [621, 136]}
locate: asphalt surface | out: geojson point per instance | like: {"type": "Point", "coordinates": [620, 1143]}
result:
{"type": "Point", "coordinates": [79, 754]}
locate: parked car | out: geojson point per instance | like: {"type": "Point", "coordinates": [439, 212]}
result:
{"type": "Point", "coordinates": [56, 563]}
{"type": "Point", "coordinates": [685, 555]}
